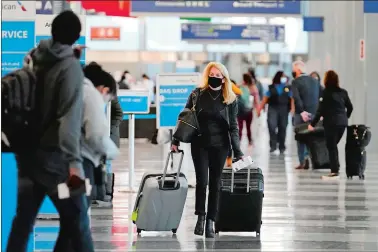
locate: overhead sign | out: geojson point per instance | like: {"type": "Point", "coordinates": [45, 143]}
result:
{"type": "Point", "coordinates": [172, 92]}
{"type": "Point", "coordinates": [370, 6]}
{"type": "Point", "coordinates": [18, 10]}
{"type": "Point", "coordinates": [206, 31]}
{"type": "Point", "coordinates": [313, 24]}
{"type": "Point", "coordinates": [212, 8]}
{"type": "Point", "coordinates": [134, 101]}
{"type": "Point", "coordinates": [105, 33]}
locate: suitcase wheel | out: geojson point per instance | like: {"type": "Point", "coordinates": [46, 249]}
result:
{"type": "Point", "coordinates": [216, 231]}
{"type": "Point", "coordinates": [349, 177]}
{"type": "Point", "coordinates": [174, 230]}
{"type": "Point", "coordinates": [362, 177]}
{"type": "Point", "coordinates": [139, 231]}
{"type": "Point", "coordinates": [258, 233]}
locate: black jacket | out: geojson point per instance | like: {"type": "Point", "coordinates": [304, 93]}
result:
{"type": "Point", "coordinates": [306, 94]}
{"type": "Point", "coordinates": [229, 113]}
{"type": "Point", "coordinates": [335, 107]}
{"type": "Point", "coordinates": [116, 117]}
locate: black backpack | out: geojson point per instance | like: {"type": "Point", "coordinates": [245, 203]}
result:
{"type": "Point", "coordinates": [18, 110]}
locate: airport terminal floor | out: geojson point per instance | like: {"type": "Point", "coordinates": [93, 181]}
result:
{"type": "Point", "coordinates": [301, 212]}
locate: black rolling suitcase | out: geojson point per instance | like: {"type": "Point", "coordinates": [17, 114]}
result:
{"type": "Point", "coordinates": [358, 137]}
{"type": "Point", "coordinates": [240, 201]}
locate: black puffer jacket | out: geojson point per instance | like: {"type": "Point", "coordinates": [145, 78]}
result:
{"type": "Point", "coordinates": [229, 113]}
{"type": "Point", "coordinates": [116, 117]}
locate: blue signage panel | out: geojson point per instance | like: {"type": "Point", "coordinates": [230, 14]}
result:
{"type": "Point", "coordinates": [17, 36]}
{"type": "Point", "coordinates": [216, 7]}
{"type": "Point", "coordinates": [11, 62]}
{"type": "Point", "coordinates": [206, 31]}
{"type": "Point", "coordinates": [80, 41]}
{"type": "Point", "coordinates": [9, 199]}
{"type": "Point", "coordinates": [313, 24]}
{"type": "Point", "coordinates": [172, 101]}
{"type": "Point", "coordinates": [133, 102]}
{"type": "Point", "coordinates": [44, 7]}
{"type": "Point", "coordinates": [370, 6]}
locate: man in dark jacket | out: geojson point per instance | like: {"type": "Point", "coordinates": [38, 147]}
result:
{"type": "Point", "coordinates": [306, 94]}
{"type": "Point", "coordinates": [57, 158]}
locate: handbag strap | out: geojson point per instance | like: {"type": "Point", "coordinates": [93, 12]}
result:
{"type": "Point", "coordinates": [195, 97]}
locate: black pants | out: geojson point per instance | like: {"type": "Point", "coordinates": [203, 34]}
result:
{"type": "Point", "coordinates": [73, 218]}
{"type": "Point", "coordinates": [333, 136]}
{"type": "Point", "coordinates": [208, 165]}
{"type": "Point", "coordinates": [277, 124]}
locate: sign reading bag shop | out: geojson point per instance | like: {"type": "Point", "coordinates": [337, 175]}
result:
{"type": "Point", "coordinates": [18, 10]}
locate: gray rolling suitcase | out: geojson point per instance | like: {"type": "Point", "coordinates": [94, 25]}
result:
{"type": "Point", "coordinates": [161, 199]}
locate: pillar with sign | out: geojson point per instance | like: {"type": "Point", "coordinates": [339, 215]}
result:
{"type": "Point", "coordinates": [133, 102]}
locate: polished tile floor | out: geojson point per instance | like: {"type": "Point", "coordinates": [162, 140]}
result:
{"type": "Point", "coordinates": [301, 212]}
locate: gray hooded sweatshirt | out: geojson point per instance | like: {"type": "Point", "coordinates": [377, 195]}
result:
{"type": "Point", "coordinates": [95, 140]}
{"type": "Point", "coordinates": [61, 107]}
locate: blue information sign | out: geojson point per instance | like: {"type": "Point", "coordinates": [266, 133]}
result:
{"type": "Point", "coordinates": [173, 91]}
{"type": "Point", "coordinates": [206, 31]}
{"type": "Point", "coordinates": [17, 36]}
{"type": "Point", "coordinates": [11, 62]}
{"type": "Point", "coordinates": [313, 24]}
{"type": "Point", "coordinates": [370, 6]}
{"type": "Point", "coordinates": [134, 102]}
{"type": "Point", "coordinates": [211, 8]}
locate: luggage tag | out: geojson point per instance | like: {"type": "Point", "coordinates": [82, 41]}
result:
{"type": "Point", "coordinates": [241, 164]}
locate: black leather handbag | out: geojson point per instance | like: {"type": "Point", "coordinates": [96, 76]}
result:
{"type": "Point", "coordinates": [302, 133]}
{"type": "Point", "coordinates": [187, 124]}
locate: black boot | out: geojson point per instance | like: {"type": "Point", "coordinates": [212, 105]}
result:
{"type": "Point", "coordinates": [198, 230]}
{"type": "Point", "coordinates": [209, 231]}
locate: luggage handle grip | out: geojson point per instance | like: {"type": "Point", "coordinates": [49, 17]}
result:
{"type": "Point", "coordinates": [233, 178]}
{"type": "Point", "coordinates": [170, 155]}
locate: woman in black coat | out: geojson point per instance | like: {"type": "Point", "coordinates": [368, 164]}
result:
{"type": "Point", "coordinates": [335, 107]}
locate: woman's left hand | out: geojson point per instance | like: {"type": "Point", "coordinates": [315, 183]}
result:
{"type": "Point", "coordinates": [310, 128]}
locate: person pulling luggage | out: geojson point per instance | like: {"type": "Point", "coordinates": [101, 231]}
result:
{"type": "Point", "coordinates": [216, 110]}
{"type": "Point", "coordinates": [335, 107]}
{"type": "Point", "coordinates": [279, 98]}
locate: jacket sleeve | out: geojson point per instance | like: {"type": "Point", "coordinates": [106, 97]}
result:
{"type": "Point", "coordinates": [234, 129]}
{"type": "Point", "coordinates": [323, 104]}
{"type": "Point", "coordinates": [70, 110]}
{"type": "Point", "coordinates": [116, 112]}
{"type": "Point", "coordinates": [297, 98]}
{"type": "Point", "coordinates": [188, 105]}
{"type": "Point", "coordinates": [348, 104]}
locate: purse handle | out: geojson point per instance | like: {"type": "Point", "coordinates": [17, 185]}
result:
{"type": "Point", "coordinates": [196, 93]}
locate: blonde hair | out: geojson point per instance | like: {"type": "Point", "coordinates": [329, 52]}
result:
{"type": "Point", "coordinates": [228, 95]}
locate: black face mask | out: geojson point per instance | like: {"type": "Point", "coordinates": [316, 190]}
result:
{"type": "Point", "coordinates": [294, 74]}
{"type": "Point", "coordinates": [214, 82]}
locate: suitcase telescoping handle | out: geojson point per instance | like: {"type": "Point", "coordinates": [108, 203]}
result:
{"type": "Point", "coordinates": [170, 155]}
{"type": "Point", "coordinates": [233, 178]}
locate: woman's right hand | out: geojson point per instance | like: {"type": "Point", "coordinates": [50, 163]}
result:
{"type": "Point", "coordinates": [174, 148]}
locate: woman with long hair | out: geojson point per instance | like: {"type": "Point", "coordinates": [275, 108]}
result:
{"type": "Point", "coordinates": [279, 98]}
{"type": "Point", "coordinates": [335, 107]}
{"type": "Point", "coordinates": [217, 115]}
{"type": "Point", "coordinates": [246, 104]}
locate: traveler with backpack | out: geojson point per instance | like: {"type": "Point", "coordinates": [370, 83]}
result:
{"type": "Point", "coordinates": [279, 98]}
{"type": "Point", "coordinates": [246, 101]}
{"type": "Point", "coordinates": [50, 129]}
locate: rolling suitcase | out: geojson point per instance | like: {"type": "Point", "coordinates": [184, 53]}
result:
{"type": "Point", "coordinates": [240, 201]}
{"type": "Point", "coordinates": [319, 153]}
{"type": "Point", "coordinates": [161, 199]}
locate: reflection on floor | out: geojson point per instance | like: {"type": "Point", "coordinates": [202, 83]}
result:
{"type": "Point", "coordinates": [301, 212]}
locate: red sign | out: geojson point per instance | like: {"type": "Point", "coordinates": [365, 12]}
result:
{"type": "Point", "coordinates": [362, 50]}
{"type": "Point", "coordinates": [105, 33]}
{"type": "Point", "coordinates": [110, 8]}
